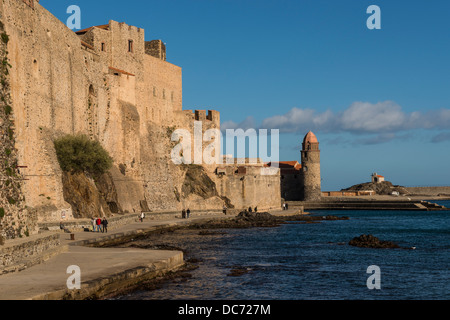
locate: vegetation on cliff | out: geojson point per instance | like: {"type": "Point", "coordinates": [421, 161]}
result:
{"type": "Point", "coordinates": [77, 154]}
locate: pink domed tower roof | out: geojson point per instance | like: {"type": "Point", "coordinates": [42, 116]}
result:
{"type": "Point", "coordinates": [310, 142]}
{"type": "Point", "coordinates": [311, 138]}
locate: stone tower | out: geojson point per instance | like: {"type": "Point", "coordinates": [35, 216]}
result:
{"type": "Point", "coordinates": [311, 168]}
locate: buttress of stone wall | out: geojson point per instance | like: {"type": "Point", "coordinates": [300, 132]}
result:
{"type": "Point", "coordinates": [15, 219]}
{"type": "Point", "coordinates": [53, 80]}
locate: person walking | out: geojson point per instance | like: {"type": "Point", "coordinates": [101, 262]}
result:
{"type": "Point", "coordinates": [188, 212]}
{"type": "Point", "coordinates": [183, 214]}
{"type": "Point", "coordinates": [94, 224]}
{"type": "Point", "coordinates": [105, 225]}
{"type": "Point", "coordinates": [99, 223]}
{"type": "Point", "coordinates": [224, 210]}
{"type": "Point", "coordinates": [142, 216]}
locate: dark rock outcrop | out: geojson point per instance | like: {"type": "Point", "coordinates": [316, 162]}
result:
{"type": "Point", "coordinates": [381, 188]}
{"type": "Point", "coordinates": [369, 241]}
{"type": "Point", "coordinates": [84, 197]}
{"type": "Point", "coordinates": [255, 216]}
{"type": "Point", "coordinates": [246, 219]}
{"type": "Point", "coordinates": [197, 182]}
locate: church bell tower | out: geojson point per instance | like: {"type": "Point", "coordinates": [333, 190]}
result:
{"type": "Point", "coordinates": [311, 168]}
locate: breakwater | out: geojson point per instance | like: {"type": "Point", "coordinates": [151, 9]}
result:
{"type": "Point", "coordinates": [429, 191]}
{"type": "Point", "coordinates": [402, 205]}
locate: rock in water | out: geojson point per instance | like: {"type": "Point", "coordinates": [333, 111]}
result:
{"type": "Point", "coordinates": [369, 241]}
{"type": "Point", "coordinates": [255, 216]}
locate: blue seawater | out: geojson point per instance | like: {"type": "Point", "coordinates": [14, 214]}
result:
{"type": "Point", "coordinates": [315, 262]}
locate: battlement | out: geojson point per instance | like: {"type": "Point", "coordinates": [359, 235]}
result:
{"type": "Point", "coordinates": [129, 27]}
{"type": "Point", "coordinates": [201, 115]}
{"type": "Point", "coordinates": [30, 3]}
{"type": "Point", "coordinates": [156, 48]}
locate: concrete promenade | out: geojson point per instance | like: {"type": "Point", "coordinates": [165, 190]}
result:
{"type": "Point", "coordinates": [103, 271]}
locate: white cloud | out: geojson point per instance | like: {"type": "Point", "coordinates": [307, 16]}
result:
{"type": "Point", "coordinates": [374, 118]}
{"type": "Point", "coordinates": [379, 121]}
{"type": "Point", "coordinates": [360, 117]}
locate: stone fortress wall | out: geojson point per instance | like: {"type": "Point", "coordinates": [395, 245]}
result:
{"type": "Point", "coordinates": [107, 82]}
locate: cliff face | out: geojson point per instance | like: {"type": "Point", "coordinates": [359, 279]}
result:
{"type": "Point", "coordinates": [82, 193]}
{"type": "Point", "coordinates": [197, 182]}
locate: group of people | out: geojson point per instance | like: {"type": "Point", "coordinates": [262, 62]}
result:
{"type": "Point", "coordinates": [285, 206]}
{"type": "Point", "coordinates": [250, 209]}
{"type": "Point", "coordinates": [99, 225]}
{"type": "Point", "coordinates": [185, 214]}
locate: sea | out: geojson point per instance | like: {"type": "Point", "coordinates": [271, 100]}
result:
{"type": "Point", "coordinates": [313, 261]}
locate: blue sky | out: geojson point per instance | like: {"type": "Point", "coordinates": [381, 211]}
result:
{"type": "Point", "coordinates": [378, 100]}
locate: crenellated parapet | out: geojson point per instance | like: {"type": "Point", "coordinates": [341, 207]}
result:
{"type": "Point", "coordinates": [30, 3]}
{"type": "Point", "coordinates": [210, 116]}
{"type": "Point", "coordinates": [156, 48]}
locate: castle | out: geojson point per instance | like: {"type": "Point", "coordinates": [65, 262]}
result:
{"type": "Point", "coordinates": [111, 84]}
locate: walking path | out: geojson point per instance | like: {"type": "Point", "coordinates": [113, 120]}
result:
{"type": "Point", "coordinates": [102, 271]}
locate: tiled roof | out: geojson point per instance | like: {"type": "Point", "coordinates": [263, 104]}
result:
{"type": "Point", "coordinates": [287, 167]}
{"type": "Point", "coordinates": [104, 27]}
{"type": "Point", "coordinates": [121, 71]}
{"type": "Point", "coordinates": [87, 45]}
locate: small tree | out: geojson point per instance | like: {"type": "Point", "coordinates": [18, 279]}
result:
{"type": "Point", "coordinates": [80, 154]}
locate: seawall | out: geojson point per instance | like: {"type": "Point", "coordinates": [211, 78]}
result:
{"type": "Point", "coordinates": [104, 271]}
{"type": "Point", "coordinates": [429, 191]}
{"type": "Point", "coordinates": [369, 204]}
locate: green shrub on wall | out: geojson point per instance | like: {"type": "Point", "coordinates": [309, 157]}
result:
{"type": "Point", "coordinates": [78, 154]}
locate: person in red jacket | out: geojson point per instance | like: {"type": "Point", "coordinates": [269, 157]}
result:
{"type": "Point", "coordinates": [99, 224]}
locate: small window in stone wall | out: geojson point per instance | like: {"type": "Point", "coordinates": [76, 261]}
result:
{"type": "Point", "coordinates": [103, 46]}
{"type": "Point", "coordinates": [130, 46]}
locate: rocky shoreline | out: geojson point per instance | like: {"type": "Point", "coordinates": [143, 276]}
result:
{"type": "Point", "coordinates": [247, 219]}
{"type": "Point", "coordinates": [181, 238]}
